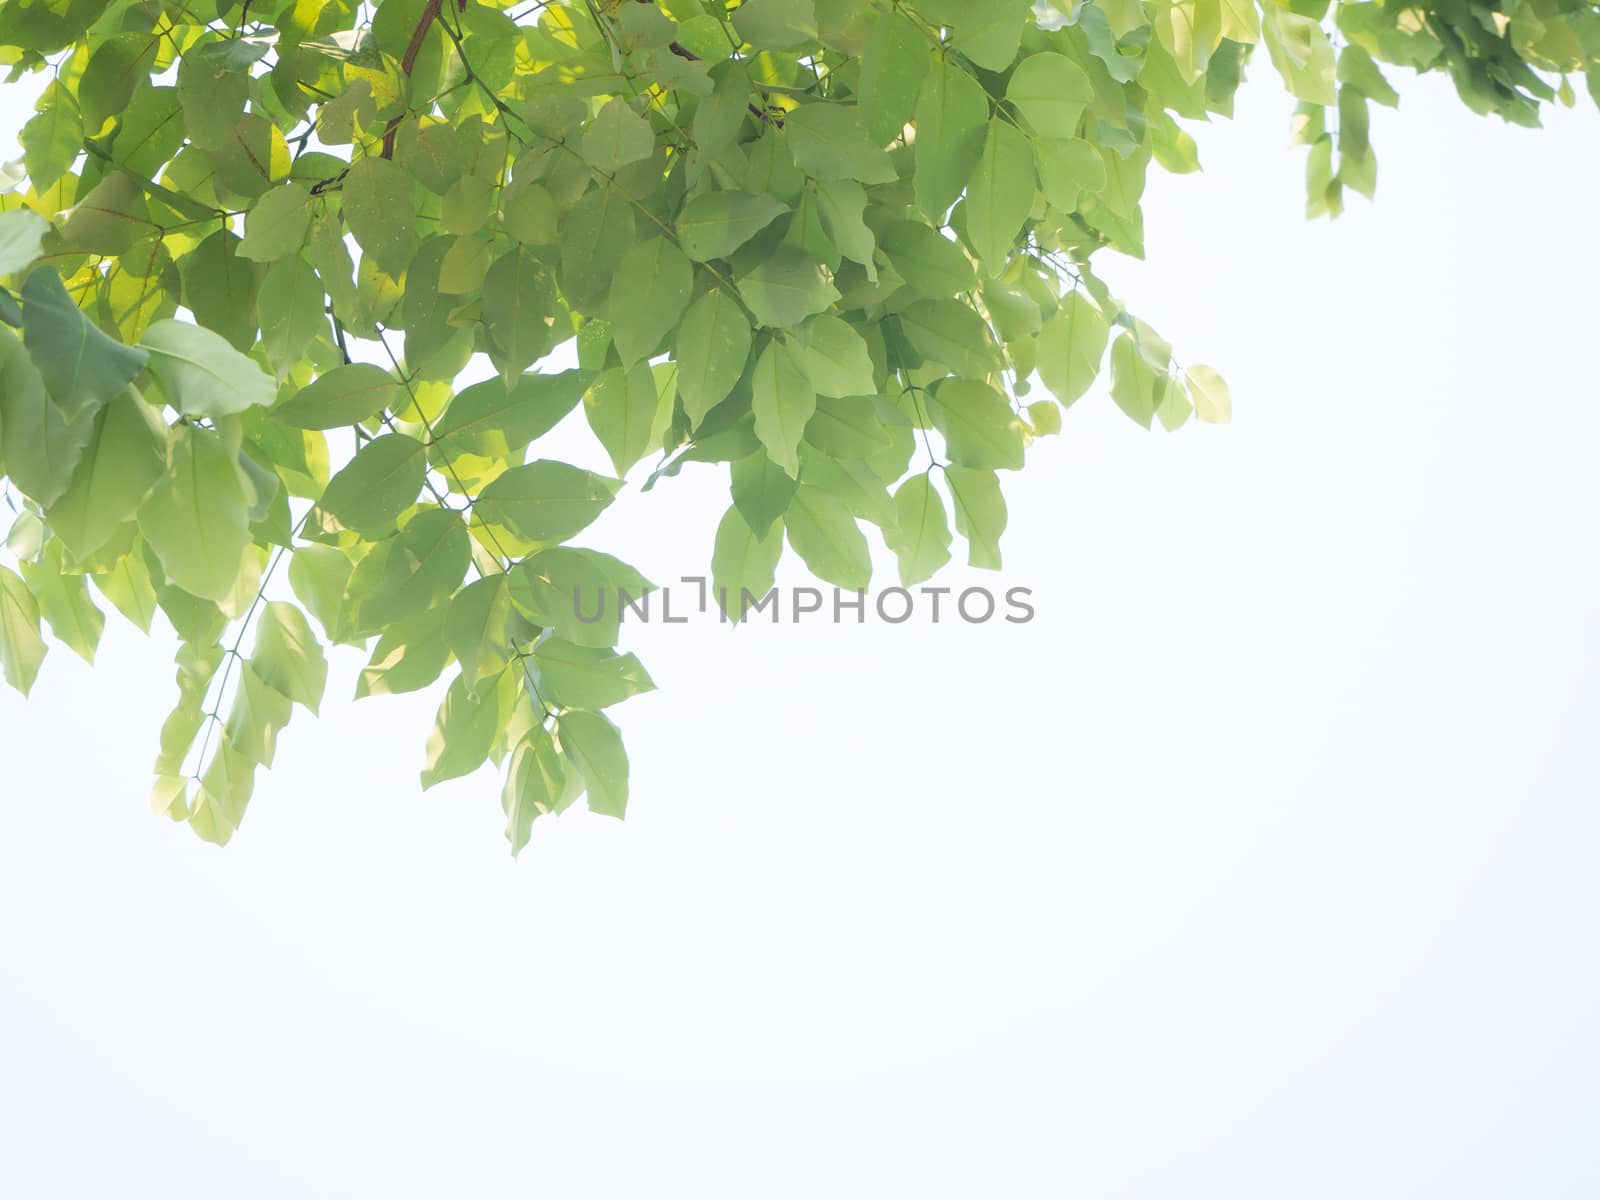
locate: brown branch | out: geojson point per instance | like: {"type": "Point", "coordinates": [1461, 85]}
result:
{"type": "Point", "coordinates": [430, 12]}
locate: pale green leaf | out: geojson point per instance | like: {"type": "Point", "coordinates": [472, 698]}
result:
{"type": "Point", "coordinates": [826, 537]}
{"type": "Point", "coordinates": [200, 374]}
{"type": "Point", "coordinates": [921, 537]}
{"type": "Point", "coordinates": [81, 367]}
{"type": "Point", "coordinates": [786, 287]}
{"type": "Point", "coordinates": [979, 427]}
{"type": "Point", "coordinates": [1071, 345]}
{"type": "Point", "coordinates": [378, 484]}
{"type": "Point", "coordinates": [1209, 392]}
{"type": "Point", "coordinates": [743, 564]}
{"type": "Point", "coordinates": [195, 518]}
{"type": "Point", "coordinates": [833, 357]}
{"type": "Point", "coordinates": [783, 400]}
{"type": "Point", "coordinates": [1000, 195]}
{"type": "Point", "coordinates": [587, 677]}
{"type": "Point", "coordinates": [715, 224]}
{"type": "Point", "coordinates": [126, 455]}
{"type": "Point", "coordinates": [22, 648]}
{"type": "Point", "coordinates": [346, 395]}
{"type": "Point", "coordinates": [616, 137]}
{"type": "Point", "coordinates": [545, 501]}
{"type": "Point", "coordinates": [652, 286]}
{"type": "Point", "coordinates": [952, 114]}
{"type": "Point", "coordinates": [713, 343]}
{"type": "Point", "coordinates": [592, 745]}
{"type": "Point", "coordinates": [21, 239]}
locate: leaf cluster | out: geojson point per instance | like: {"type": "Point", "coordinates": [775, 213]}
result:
{"type": "Point", "coordinates": [292, 291]}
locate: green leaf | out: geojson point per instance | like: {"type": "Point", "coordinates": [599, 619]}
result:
{"type": "Point", "coordinates": [290, 307]}
{"type": "Point", "coordinates": [1051, 92]}
{"type": "Point", "coordinates": [1209, 393]}
{"type": "Point", "coordinates": [743, 565]}
{"type": "Point", "coordinates": [623, 408]}
{"type": "Point", "coordinates": [1000, 195]}
{"type": "Point", "coordinates": [578, 593]}
{"type": "Point", "coordinates": [201, 375]}
{"type": "Point", "coordinates": [378, 484]}
{"type": "Point", "coordinates": [81, 367]}
{"type": "Point", "coordinates": [842, 204]}
{"type": "Point", "coordinates": [761, 490]}
{"type": "Point", "coordinates": [477, 628]}
{"type": "Point", "coordinates": [252, 157]}
{"type": "Point", "coordinates": [848, 427]}
{"type": "Point", "coordinates": [783, 400]}
{"type": "Point", "coordinates": [951, 333]}
{"type": "Point", "coordinates": [22, 649]}
{"type": "Point", "coordinates": [594, 236]}
{"type": "Point", "coordinates": [980, 513]}
{"type": "Point", "coordinates": [53, 138]}
{"type": "Point", "coordinates": [786, 287]}
{"type": "Point", "coordinates": [21, 239]}
{"type": "Point", "coordinates": [893, 66]}
{"type": "Point", "coordinates": [776, 24]}
{"type": "Point", "coordinates": [346, 395]}
{"type": "Point", "coordinates": [149, 132]}
{"type": "Point", "coordinates": [928, 261]}
{"type": "Point", "coordinates": [424, 566]}
{"type": "Point", "coordinates": [463, 733]}
{"type": "Point", "coordinates": [546, 502]}
{"type": "Point", "coordinates": [586, 677]}
{"type": "Point", "coordinates": [408, 657]}
{"type": "Point", "coordinates": [828, 142]}
{"type": "Point", "coordinates": [213, 94]}
{"type": "Point", "coordinates": [220, 288]}
{"type": "Point", "coordinates": [535, 784]}
{"type": "Point", "coordinates": [111, 218]}
{"type": "Point", "coordinates": [65, 604]}
{"type": "Point", "coordinates": [921, 537]}
{"type": "Point", "coordinates": [834, 358]}
{"type": "Point", "coordinates": [195, 518]}
{"type": "Point", "coordinates": [380, 208]}
{"type": "Point", "coordinates": [952, 114]}
{"type": "Point", "coordinates": [851, 482]}
{"type": "Point", "coordinates": [989, 32]}
{"type": "Point", "coordinates": [1070, 169]}
{"type": "Point", "coordinates": [319, 575]}
{"type": "Point", "coordinates": [518, 304]}
{"type": "Point", "coordinates": [651, 288]}
{"type": "Point", "coordinates": [114, 69]}
{"type": "Point", "coordinates": [979, 428]}
{"type": "Point", "coordinates": [288, 656]}
{"type": "Point", "coordinates": [592, 745]}
{"type": "Point", "coordinates": [715, 224]}
{"type": "Point", "coordinates": [1300, 50]}
{"type": "Point", "coordinates": [492, 420]}
{"type": "Point", "coordinates": [127, 585]}
{"type": "Point", "coordinates": [1134, 385]}
{"type": "Point", "coordinates": [126, 455]}
{"type": "Point", "coordinates": [278, 224]}
{"type": "Point", "coordinates": [1071, 345]}
{"type": "Point", "coordinates": [40, 446]}
{"type": "Point", "coordinates": [712, 346]}
{"type": "Point", "coordinates": [259, 712]}
{"type": "Point", "coordinates": [826, 537]}
{"type": "Point", "coordinates": [616, 137]}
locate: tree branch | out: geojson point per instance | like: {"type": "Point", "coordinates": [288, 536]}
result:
{"type": "Point", "coordinates": [430, 13]}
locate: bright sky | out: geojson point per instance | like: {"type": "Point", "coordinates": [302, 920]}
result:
{"type": "Point", "coordinates": [1259, 865]}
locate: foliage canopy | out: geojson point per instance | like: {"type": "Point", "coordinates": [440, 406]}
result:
{"type": "Point", "coordinates": [829, 245]}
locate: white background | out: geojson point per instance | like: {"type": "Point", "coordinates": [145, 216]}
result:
{"type": "Point", "coordinates": [1259, 865]}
